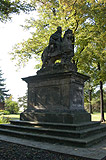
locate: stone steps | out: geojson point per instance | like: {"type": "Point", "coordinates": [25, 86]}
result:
{"type": "Point", "coordinates": [81, 135]}
{"type": "Point", "coordinates": [57, 125]}
{"type": "Point", "coordinates": [55, 139]}
{"type": "Point", "coordinates": [56, 132]}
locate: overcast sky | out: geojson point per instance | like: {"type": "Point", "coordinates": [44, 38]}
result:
{"type": "Point", "coordinates": [10, 34]}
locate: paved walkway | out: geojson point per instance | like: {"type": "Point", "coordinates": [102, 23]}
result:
{"type": "Point", "coordinates": [96, 152]}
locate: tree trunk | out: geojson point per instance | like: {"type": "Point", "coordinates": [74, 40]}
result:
{"type": "Point", "coordinates": [101, 98]}
{"type": "Point", "coordinates": [101, 102]}
{"type": "Point", "coordinates": [90, 98]}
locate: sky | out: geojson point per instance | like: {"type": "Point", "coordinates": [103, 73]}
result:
{"type": "Point", "coordinates": [10, 34]}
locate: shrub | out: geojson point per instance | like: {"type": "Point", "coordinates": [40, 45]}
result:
{"type": "Point", "coordinates": [6, 112]}
{"type": "Point", "coordinates": [4, 120]}
{"type": "Point", "coordinates": [11, 106]}
{"type": "Point", "coordinates": [1, 112]}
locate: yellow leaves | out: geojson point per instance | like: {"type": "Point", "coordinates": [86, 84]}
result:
{"type": "Point", "coordinates": [85, 17]}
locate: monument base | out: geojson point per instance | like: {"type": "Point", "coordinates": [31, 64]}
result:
{"type": "Point", "coordinates": [56, 96]}
{"type": "Point", "coordinates": [56, 117]}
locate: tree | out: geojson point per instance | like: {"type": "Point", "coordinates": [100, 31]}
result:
{"type": "Point", "coordinates": [11, 106]}
{"type": "Point", "coordinates": [89, 90]}
{"type": "Point", "coordinates": [22, 101]}
{"type": "Point", "coordinates": [95, 101]}
{"type": "Point", "coordinates": [86, 19]}
{"type": "Point", "coordinates": [8, 7]}
{"type": "Point", "coordinates": [3, 91]}
{"type": "Point", "coordinates": [80, 16]}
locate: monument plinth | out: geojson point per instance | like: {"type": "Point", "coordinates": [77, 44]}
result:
{"type": "Point", "coordinates": [55, 94]}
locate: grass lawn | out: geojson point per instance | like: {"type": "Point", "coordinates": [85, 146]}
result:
{"type": "Point", "coordinates": [96, 116]}
{"type": "Point", "coordinates": [12, 116]}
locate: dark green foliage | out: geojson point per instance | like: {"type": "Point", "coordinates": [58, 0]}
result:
{"type": "Point", "coordinates": [8, 7]}
{"type": "Point", "coordinates": [3, 91]}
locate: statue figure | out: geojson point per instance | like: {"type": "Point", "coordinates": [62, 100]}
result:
{"type": "Point", "coordinates": [59, 48]}
{"type": "Point", "coordinates": [53, 49]}
{"type": "Point", "coordinates": [67, 47]}
{"type": "Point", "coordinates": [55, 41]}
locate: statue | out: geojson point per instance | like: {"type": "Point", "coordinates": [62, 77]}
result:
{"type": "Point", "coordinates": [67, 47]}
{"type": "Point", "coordinates": [51, 52]}
{"type": "Point", "coordinates": [55, 41]}
{"type": "Point", "coordinates": [59, 48]}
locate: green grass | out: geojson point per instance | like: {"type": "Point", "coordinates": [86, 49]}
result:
{"type": "Point", "coordinates": [11, 116]}
{"type": "Point", "coordinates": [17, 116]}
{"type": "Point", "coordinates": [96, 116]}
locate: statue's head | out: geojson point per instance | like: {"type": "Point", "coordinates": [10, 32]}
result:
{"type": "Point", "coordinates": [59, 29]}
{"type": "Point", "coordinates": [68, 34]}
{"type": "Point", "coordinates": [69, 31]}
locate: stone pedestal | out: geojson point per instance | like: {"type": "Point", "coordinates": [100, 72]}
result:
{"type": "Point", "coordinates": [56, 97]}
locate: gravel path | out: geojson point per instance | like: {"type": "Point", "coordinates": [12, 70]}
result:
{"type": "Point", "coordinates": [11, 151]}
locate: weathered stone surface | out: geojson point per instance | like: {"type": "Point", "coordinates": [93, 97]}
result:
{"type": "Point", "coordinates": [55, 117]}
{"type": "Point", "coordinates": [56, 97]}
{"type": "Point", "coordinates": [57, 68]}
{"type": "Point", "coordinates": [59, 48]}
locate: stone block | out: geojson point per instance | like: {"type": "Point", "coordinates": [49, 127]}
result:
{"type": "Point", "coordinates": [56, 98]}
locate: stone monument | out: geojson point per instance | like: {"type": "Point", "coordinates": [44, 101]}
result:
{"type": "Point", "coordinates": [55, 94]}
